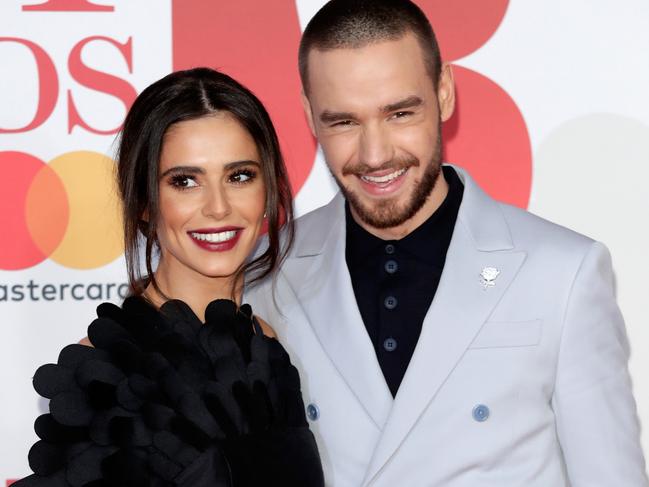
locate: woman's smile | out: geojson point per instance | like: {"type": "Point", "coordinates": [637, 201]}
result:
{"type": "Point", "coordinates": [216, 239]}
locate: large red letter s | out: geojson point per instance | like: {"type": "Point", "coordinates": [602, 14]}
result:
{"type": "Point", "coordinates": [68, 6]}
{"type": "Point", "coordinates": [48, 85]}
{"type": "Point", "coordinates": [99, 81]}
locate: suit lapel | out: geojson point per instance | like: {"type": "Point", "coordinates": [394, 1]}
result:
{"type": "Point", "coordinates": [319, 277]}
{"type": "Point", "coordinates": [461, 306]}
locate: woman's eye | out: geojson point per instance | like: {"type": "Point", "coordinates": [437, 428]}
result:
{"type": "Point", "coordinates": [243, 176]}
{"type": "Point", "coordinates": [183, 182]}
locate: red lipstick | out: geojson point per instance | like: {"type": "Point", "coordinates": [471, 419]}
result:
{"type": "Point", "coordinates": [219, 239]}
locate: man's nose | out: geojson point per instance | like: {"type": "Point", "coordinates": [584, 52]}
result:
{"type": "Point", "coordinates": [375, 146]}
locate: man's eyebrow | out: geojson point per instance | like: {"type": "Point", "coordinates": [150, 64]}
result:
{"type": "Point", "coordinates": [190, 170]}
{"type": "Point", "coordinates": [329, 117]}
{"type": "Point", "coordinates": [410, 102]}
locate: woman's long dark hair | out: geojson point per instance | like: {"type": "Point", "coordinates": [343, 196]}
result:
{"type": "Point", "coordinates": [188, 95]}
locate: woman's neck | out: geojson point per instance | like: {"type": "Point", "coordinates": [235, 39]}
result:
{"type": "Point", "coordinates": [194, 289]}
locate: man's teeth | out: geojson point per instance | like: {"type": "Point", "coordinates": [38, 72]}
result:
{"type": "Point", "coordinates": [383, 179]}
{"type": "Point", "coordinates": [214, 237]}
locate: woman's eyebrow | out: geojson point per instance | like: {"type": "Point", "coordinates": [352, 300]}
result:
{"type": "Point", "coordinates": [191, 170]}
{"type": "Point", "coordinates": [236, 164]}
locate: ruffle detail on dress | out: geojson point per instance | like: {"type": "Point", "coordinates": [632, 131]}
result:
{"type": "Point", "coordinates": [165, 400]}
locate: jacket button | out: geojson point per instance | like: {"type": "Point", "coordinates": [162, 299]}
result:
{"type": "Point", "coordinates": [390, 344]}
{"type": "Point", "coordinates": [391, 266]}
{"type": "Point", "coordinates": [481, 413]}
{"type": "Point", "coordinates": [313, 412]}
{"type": "Point", "coordinates": [390, 302]}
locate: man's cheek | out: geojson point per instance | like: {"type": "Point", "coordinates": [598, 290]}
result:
{"type": "Point", "coordinates": [414, 139]}
{"type": "Point", "coordinates": [335, 157]}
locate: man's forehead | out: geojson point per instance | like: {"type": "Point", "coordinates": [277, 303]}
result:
{"type": "Point", "coordinates": [380, 58]}
{"type": "Point", "coordinates": [378, 75]}
{"type": "Point", "coordinates": [377, 48]}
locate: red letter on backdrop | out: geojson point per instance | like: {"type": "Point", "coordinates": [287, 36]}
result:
{"type": "Point", "coordinates": [68, 6]}
{"type": "Point", "coordinates": [48, 85]}
{"type": "Point", "coordinates": [99, 81]}
{"type": "Point", "coordinates": [255, 42]}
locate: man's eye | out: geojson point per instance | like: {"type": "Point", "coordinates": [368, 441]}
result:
{"type": "Point", "coordinates": [183, 181]}
{"type": "Point", "coordinates": [243, 176]}
{"type": "Point", "coordinates": [343, 123]}
{"type": "Point", "coordinates": [401, 114]}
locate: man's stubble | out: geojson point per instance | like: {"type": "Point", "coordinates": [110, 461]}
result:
{"type": "Point", "coordinates": [388, 213]}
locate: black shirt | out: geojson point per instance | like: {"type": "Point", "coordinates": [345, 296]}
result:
{"type": "Point", "coordinates": [395, 281]}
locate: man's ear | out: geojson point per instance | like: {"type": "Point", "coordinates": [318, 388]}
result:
{"type": "Point", "coordinates": [446, 92]}
{"type": "Point", "coordinates": [307, 111]}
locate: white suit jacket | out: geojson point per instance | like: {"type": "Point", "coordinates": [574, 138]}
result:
{"type": "Point", "coordinates": [519, 380]}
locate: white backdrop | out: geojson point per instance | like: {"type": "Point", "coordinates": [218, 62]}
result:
{"type": "Point", "coordinates": [577, 72]}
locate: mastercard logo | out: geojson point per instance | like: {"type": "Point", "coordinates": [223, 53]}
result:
{"type": "Point", "coordinates": [66, 210]}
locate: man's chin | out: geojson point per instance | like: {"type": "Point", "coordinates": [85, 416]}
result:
{"type": "Point", "coordinates": [378, 213]}
{"type": "Point", "coordinates": [386, 212]}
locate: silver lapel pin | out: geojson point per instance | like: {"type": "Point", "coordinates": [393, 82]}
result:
{"type": "Point", "coordinates": [488, 277]}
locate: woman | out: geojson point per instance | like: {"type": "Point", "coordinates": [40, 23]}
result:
{"type": "Point", "coordinates": [182, 385]}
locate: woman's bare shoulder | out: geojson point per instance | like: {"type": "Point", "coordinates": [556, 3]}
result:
{"type": "Point", "coordinates": [266, 328]}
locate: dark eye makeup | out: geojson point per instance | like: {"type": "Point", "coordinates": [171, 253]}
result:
{"type": "Point", "coordinates": [243, 175]}
{"type": "Point", "coordinates": [187, 177]}
{"type": "Point", "coordinates": [182, 181]}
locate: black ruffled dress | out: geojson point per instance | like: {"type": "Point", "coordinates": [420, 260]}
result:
{"type": "Point", "coordinates": [164, 400]}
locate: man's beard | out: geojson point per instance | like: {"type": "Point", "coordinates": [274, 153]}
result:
{"type": "Point", "coordinates": [388, 213]}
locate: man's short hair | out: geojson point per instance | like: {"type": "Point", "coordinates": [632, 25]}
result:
{"type": "Point", "coordinates": [352, 24]}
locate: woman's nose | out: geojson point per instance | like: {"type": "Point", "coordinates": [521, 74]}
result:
{"type": "Point", "coordinates": [216, 204]}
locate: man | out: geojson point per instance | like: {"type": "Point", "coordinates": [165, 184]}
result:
{"type": "Point", "coordinates": [443, 338]}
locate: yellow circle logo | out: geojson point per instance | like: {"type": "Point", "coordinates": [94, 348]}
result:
{"type": "Point", "coordinates": [67, 210]}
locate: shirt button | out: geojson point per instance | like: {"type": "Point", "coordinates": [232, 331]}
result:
{"type": "Point", "coordinates": [313, 412]}
{"type": "Point", "coordinates": [389, 249]}
{"type": "Point", "coordinates": [391, 266]}
{"type": "Point", "coordinates": [390, 344]}
{"type": "Point", "coordinates": [481, 413]}
{"type": "Point", "coordinates": [390, 302]}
